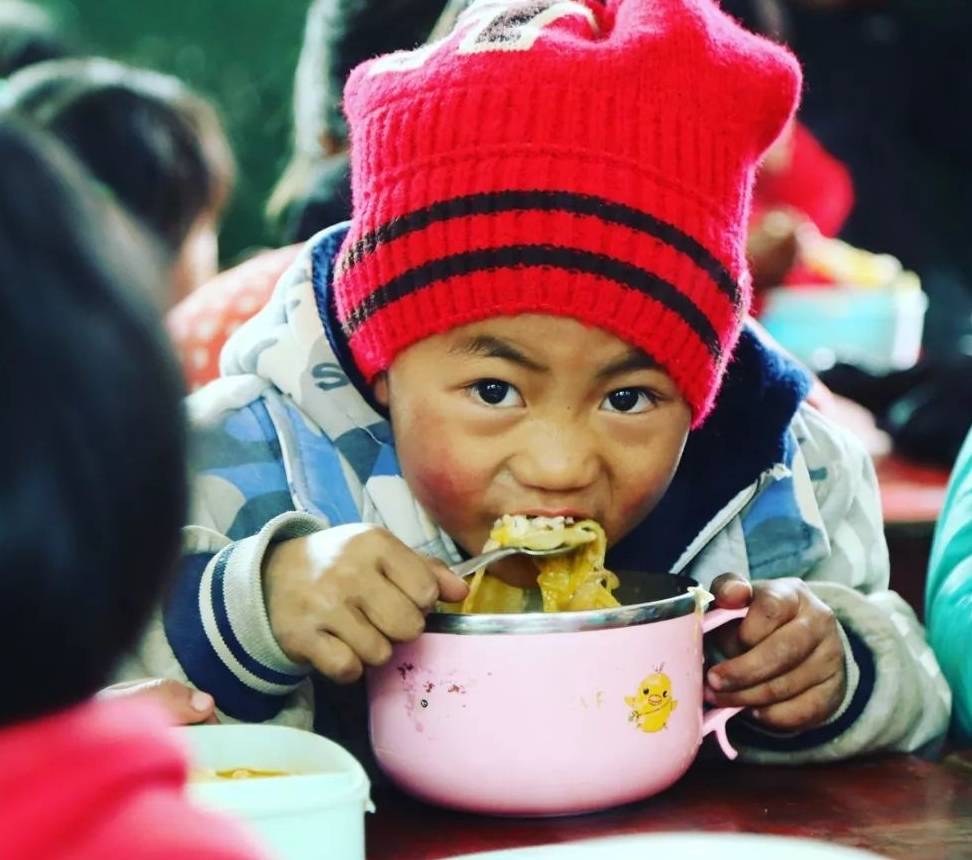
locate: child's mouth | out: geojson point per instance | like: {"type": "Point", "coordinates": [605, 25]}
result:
{"type": "Point", "coordinates": [567, 513]}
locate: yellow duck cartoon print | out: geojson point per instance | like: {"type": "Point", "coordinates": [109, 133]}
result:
{"type": "Point", "coordinates": [653, 704]}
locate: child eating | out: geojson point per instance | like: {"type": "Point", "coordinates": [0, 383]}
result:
{"type": "Point", "coordinates": [537, 310]}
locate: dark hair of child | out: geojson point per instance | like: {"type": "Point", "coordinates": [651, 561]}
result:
{"type": "Point", "coordinates": [91, 431]}
{"type": "Point", "coordinates": [28, 35]}
{"type": "Point", "coordinates": [158, 148]}
{"type": "Point", "coordinates": [314, 190]}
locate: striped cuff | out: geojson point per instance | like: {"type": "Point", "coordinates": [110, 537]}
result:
{"type": "Point", "coordinates": [852, 673]}
{"type": "Point", "coordinates": [218, 629]}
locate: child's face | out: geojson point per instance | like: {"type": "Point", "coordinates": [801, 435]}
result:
{"type": "Point", "coordinates": [533, 414]}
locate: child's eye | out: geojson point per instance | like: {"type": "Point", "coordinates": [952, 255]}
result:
{"type": "Point", "coordinates": [495, 392]}
{"type": "Point", "coordinates": [629, 400]}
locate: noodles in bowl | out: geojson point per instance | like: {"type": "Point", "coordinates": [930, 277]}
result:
{"type": "Point", "coordinates": [574, 581]}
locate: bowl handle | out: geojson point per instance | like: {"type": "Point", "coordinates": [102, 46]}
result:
{"type": "Point", "coordinates": [715, 720]}
{"type": "Point", "coordinates": [717, 617]}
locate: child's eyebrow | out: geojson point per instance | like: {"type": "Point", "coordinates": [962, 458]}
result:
{"type": "Point", "coordinates": [633, 360]}
{"type": "Point", "coordinates": [487, 346]}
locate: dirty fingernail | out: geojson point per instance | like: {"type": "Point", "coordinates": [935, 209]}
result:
{"type": "Point", "coordinates": [201, 701]}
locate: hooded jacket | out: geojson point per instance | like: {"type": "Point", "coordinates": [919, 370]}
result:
{"type": "Point", "coordinates": [290, 441]}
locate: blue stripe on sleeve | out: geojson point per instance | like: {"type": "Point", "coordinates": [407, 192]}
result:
{"type": "Point", "coordinates": [748, 735]}
{"type": "Point", "coordinates": [202, 665]}
{"type": "Point", "coordinates": [321, 480]}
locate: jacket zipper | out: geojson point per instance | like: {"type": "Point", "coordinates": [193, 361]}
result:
{"type": "Point", "coordinates": [728, 514]}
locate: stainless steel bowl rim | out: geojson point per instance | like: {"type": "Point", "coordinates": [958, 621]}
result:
{"type": "Point", "coordinates": [528, 623]}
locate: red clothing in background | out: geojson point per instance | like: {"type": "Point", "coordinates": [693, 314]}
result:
{"type": "Point", "coordinates": [810, 180]}
{"type": "Point", "coordinates": [101, 781]}
{"type": "Point", "coordinates": [201, 323]}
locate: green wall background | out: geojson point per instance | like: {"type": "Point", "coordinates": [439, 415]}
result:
{"type": "Point", "coordinates": [239, 53]}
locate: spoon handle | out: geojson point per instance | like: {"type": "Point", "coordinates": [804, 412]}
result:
{"type": "Point", "coordinates": [465, 568]}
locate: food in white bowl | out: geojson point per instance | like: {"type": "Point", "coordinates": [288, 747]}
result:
{"type": "Point", "coordinates": [300, 793]}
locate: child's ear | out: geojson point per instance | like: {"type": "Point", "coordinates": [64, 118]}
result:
{"type": "Point", "coordinates": [380, 387]}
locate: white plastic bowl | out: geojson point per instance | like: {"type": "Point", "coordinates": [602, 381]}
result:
{"type": "Point", "coordinates": [316, 810]}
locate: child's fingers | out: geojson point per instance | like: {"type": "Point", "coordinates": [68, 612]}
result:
{"type": "Point", "coordinates": [423, 580]}
{"type": "Point", "coordinates": [333, 658]}
{"type": "Point", "coordinates": [413, 575]}
{"type": "Point", "coordinates": [781, 651]}
{"type": "Point", "coordinates": [774, 605]}
{"type": "Point", "coordinates": [451, 587]}
{"type": "Point", "coordinates": [805, 711]}
{"type": "Point", "coordinates": [824, 663]}
{"type": "Point", "coordinates": [352, 627]}
{"type": "Point", "coordinates": [731, 591]}
{"type": "Point", "coordinates": [393, 612]}
{"type": "Point", "coordinates": [184, 705]}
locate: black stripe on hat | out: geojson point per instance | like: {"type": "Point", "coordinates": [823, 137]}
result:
{"type": "Point", "coordinates": [493, 202]}
{"type": "Point", "coordinates": [549, 256]}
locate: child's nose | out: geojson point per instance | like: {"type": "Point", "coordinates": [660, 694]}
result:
{"type": "Point", "coordinates": [556, 461]}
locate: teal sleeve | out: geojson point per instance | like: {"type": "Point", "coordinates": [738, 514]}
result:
{"type": "Point", "coordinates": [948, 598]}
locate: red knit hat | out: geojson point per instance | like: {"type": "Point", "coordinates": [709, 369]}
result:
{"type": "Point", "coordinates": [570, 157]}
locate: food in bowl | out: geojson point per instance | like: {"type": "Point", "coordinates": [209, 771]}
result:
{"type": "Point", "coordinates": [317, 797]}
{"type": "Point", "coordinates": [574, 581]}
{"type": "Point", "coordinates": [211, 775]}
{"type": "Point", "coordinates": [570, 711]}
{"type": "Point", "coordinates": [836, 262]}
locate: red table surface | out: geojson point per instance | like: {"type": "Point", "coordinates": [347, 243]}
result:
{"type": "Point", "coordinates": [897, 806]}
{"type": "Point", "coordinates": [910, 494]}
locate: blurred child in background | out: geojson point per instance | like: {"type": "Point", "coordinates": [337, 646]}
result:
{"type": "Point", "coordinates": [92, 499]}
{"type": "Point", "coordinates": [315, 189]}
{"type": "Point", "coordinates": [798, 182]}
{"type": "Point", "coordinates": [156, 147]}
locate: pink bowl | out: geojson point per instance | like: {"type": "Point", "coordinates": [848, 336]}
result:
{"type": "Point", "coordinates": [549, 714]}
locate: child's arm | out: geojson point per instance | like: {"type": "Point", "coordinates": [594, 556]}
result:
{"type": "Point", "coordinates": [212, 631]}
{"type": "Point", "coordinates": [895, 696]}
{"type": "Point", "coordinates": [265, 593]}
{"type": "Point", "coordinates": [949, 594]}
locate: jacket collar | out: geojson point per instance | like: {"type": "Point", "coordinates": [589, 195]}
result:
{"type": "Point", "coordinates": [744, 437]}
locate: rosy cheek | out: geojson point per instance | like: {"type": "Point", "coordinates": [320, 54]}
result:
{"type": "Point", "coordinates": [441, 487]}
{"type": "Point", "coordinates": [446, 483]}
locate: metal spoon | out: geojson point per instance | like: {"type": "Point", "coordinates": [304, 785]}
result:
{"type": "Point", "coordinates": [465, 568]}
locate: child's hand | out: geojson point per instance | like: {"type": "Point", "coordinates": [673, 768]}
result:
{"type": "Point", "coordinates": [338, 598]}
{"type": "Point", "coordinates": [185, 705]}
{"type": "Point", "coordinates": [786, 656]}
